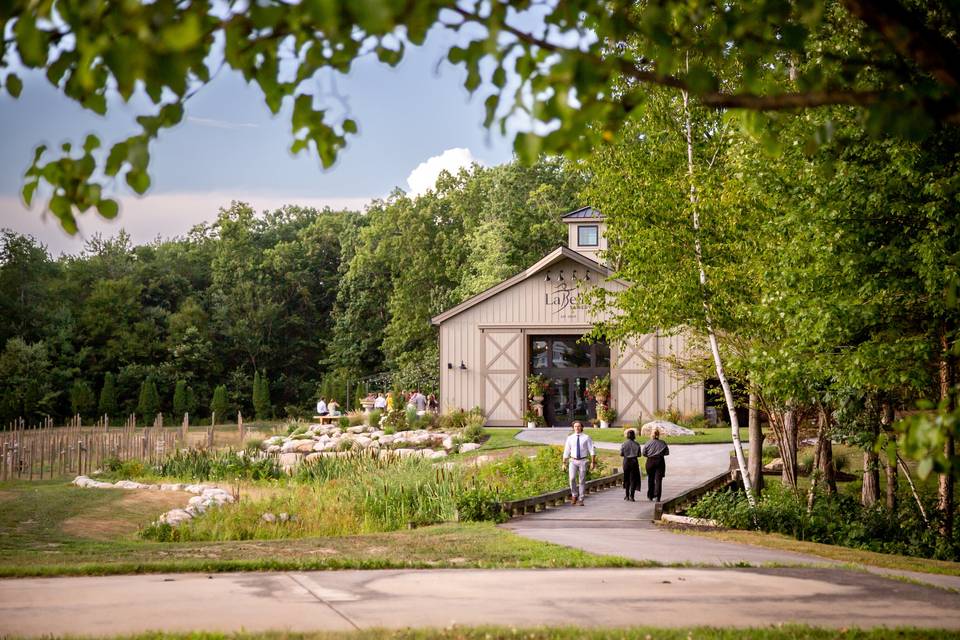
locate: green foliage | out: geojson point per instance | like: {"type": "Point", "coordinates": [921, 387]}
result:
{"type": "Point", "coordinates": [478, 504]}
{"type": "Point", "coordinates": [261, 396]}
{"type": "Point", "coordinates": [148, 404]}
{"type": "Point", "coordinates": [219, 405]}
{"type": "Point", "coordinates": [82, 400]}
{"type": "Point", "coordinates": [473, 431]}
{"type": "Point", "coordinates": [754, 57]}
{"type": "Point", "coordinates": [837, 519]}
{"type": "Point", "coordinates": [374, 418]}
{"type": "Point", "coordinates": [180, 399]}
{"type": "Point", "coordinates": [107, 406]}
{"type": "Point", "coordinates": [343, 422]}
{"type": "Point", "coordinates": [200, 465]}
{"type": "Point", "coordinates": [125, 469]}
{"type": "Point", "coordinates": [536, 385]}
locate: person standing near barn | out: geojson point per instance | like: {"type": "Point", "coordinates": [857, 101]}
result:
{"type": "Point", "coordinates": [578, 450]}
{"type": "Point", "coordinates": [630, 452]}
{"type": "Point", "coordinates": [654, 451]}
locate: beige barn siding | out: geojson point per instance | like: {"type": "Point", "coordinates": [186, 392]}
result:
{"type": "Point", "coordinates": [521, 309]}
{"type": "Point", "coordinates": [675, 391]}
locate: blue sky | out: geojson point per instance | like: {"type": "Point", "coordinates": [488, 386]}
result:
{"type": "Point", "coordinates": [229, 146]}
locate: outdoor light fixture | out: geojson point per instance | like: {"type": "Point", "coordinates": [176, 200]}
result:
{"type": "Point", "coordinates": [462, 365]}
{"type": "Point", "coordinates": [561, 276]}
{"type": "Point", "coordinates": [449, 365]}
{"type": "Point", "coordinates": [546, 278]}
{"type": "Point", "coordinates": [588, 276]}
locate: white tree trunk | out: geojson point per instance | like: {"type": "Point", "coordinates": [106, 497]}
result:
{"type": "Point", "coordinates": [711, 334]}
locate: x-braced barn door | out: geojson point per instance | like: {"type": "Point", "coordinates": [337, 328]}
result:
{"type": "Point", "coordinates": [503, 385]}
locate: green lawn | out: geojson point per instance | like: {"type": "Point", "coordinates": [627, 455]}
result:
{"type": "Point", "coordinates": [703, 436]}
{"type": "Point", "coordinates": [780, 632]}
{"type": "Point", "coordinates": [504, 438]}
{"type": "Point", "coordinates": [53, 528]}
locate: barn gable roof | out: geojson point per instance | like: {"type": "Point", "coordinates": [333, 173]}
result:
{"type": "Point", "coordinates": [555, 256]}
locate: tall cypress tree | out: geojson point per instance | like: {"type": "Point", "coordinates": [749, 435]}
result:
{"type": "Point", "coordinates": [149, 401]}
{"type": "Point", "coordinates": [261, 396]}
{"type": "Point", "coordinates": [108, 397]}
{"type": "Point", "coordinates": [180, 399]}
{"type": "Point", "coordinates": [219, 403]}
{"type": "Point", "coordinates": [81, 398]}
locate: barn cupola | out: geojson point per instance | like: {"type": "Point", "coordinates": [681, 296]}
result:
{"type": "Point", "coordinates": [586, 232]}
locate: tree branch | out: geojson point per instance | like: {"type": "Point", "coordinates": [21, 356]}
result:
{"type": "Point", "coordinates": [911, 38]}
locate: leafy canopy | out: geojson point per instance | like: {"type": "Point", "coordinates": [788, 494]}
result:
{"type": "Point", "coordinates": [569, 71]}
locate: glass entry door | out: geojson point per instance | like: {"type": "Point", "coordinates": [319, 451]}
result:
{"type": "Point", "coordinates": [568, 367]}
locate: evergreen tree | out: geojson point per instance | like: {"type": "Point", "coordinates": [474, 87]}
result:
{"type": "Point", "coordinates": [82, 400]}
{"type": "Point", "coordinates": [219, 404]}
{"type": "Point", "coordinates": [261, 396]}
{"type": "Point", "coordinates": [191, 401]}
{"type": "Point", "coordinates": [108, 397]}
{"type": "Point", "coordinates": [149, 402]}
{"type": "Point", "coordinates": [180, 399]}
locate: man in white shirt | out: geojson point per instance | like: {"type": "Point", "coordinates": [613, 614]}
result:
{"type": "Point", "coordinates": [577, 452]}
{"type": "Point", "coordinates": [381, 402]}
{"type": "Point", "coordinates": [322, 407]}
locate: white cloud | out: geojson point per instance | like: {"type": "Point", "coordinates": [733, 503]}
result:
{"type": "Point", "coordinates": [220, 124]}
{"type": "Point", "coordinates": [424, 177]}
{"type": "Point", "coordinates": [165, 215]}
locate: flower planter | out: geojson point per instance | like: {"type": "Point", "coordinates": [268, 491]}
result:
{"type": "Point", "coordinates": [604, 424]}
{"type": "Point", "coordinates": [531, 425]}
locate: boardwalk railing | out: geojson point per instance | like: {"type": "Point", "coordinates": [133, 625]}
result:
{"type": "Point", "coordinates": [678, 503]}
{"type": "Point", "coordinates": [539, 503]}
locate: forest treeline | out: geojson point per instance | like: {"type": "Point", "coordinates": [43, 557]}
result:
{"type": "Point", "coordinates": [300, 300]}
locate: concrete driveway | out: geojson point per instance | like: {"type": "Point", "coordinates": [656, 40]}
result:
{"type": "Point", "coordinates": [345, 600]}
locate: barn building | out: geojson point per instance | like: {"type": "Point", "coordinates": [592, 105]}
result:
{"type": "Point", "coordinates": [531, 323]}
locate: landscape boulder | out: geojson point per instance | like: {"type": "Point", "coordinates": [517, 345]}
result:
{"type": "Point", "coordinates": [666, 429]}
{"type": "Point", "coordinates": [466, 447]}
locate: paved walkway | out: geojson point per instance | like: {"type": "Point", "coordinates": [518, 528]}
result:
{"type": "Point", "coordinates": [345, 600]}
{"type": "Point", "coordinates": [608, 525]}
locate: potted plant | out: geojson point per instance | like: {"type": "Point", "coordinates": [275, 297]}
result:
{"type": "Point", "coordinates": [536, 387]}
{"type": "Point", "coordinates": [605, 415]}
{"type": "Point", "coordinates": [599, 389]}
{"type": "Point", "coordinates": [533, 419]}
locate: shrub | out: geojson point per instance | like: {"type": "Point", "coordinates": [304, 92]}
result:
{"type": "Point", "coordinates": [697, 422]}
{"type": "Point", "coordinates": [124, 469]}
{"type": "Point", "coordinates": [396, 421]}
{"type": "Point", "coordinates": [373, 418]}
{"type": "Point", "coordinates": [670, 415]}
{"type": "Point", "coordinates": [478, 504]}
{"type": "Point", "coordinates": [473, 431]}
{"type": "Point", "coordinates": [343, 422]}
{"type": "Point", "coordinates": [833, 519]}
{"type": "Point", "coordinates": [355, 419]}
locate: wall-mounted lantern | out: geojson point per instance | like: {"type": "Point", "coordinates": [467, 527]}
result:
{"type": "Point", "coordinates": [462, 365]}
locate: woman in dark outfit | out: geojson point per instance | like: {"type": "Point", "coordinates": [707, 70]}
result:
{"type": "Point", "coordinates": [630, 452]}
{"type": "Point", "coordinates": [654, 451]}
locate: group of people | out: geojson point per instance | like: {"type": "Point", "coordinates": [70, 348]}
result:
{"type": "Point", "coordinates": [409, 399]}
{"type": "Point", "coordinates": [579, 455]}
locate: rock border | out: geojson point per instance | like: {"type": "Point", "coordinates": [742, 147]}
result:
{"type": "Point", "coordinates": [205, 498]}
